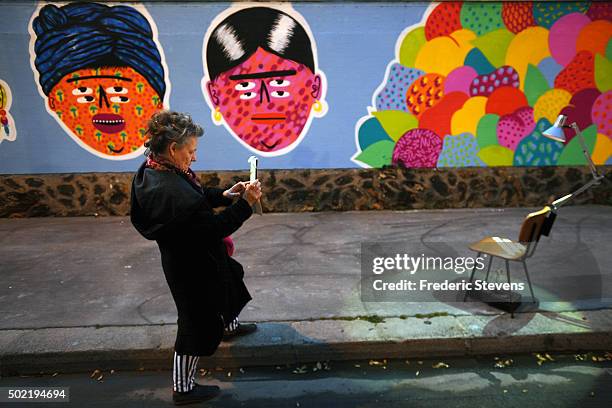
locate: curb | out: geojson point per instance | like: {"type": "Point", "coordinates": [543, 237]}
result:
{"type": "Point", "coordinates": [83, 349]}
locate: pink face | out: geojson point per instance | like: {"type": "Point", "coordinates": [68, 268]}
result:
{"type": "Point", "coordinates": [266, 100]}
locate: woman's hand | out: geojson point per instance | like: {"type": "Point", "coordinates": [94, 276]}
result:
{"type": "Point", "coordinates": [252, 192]}
{"type": "Point", "coordinates": [236, 190]}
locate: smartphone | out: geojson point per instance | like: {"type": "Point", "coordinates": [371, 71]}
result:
{"type": "Point", "coordinates": [253, 162]}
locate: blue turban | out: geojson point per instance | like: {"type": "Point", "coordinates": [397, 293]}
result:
{"type": "Point", "coordinates": [87, 35]}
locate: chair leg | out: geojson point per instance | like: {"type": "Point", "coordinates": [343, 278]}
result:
{"type": "Point", "coordinates": [471, 277]}
{"type": "Point", "coordinates": [508, 275]}
{"type": "Point", "coordinates": [489, 268]}
{"type": "Point", "coordinates": [509, 290]}
{"type": "Point", "coordinates": [529, 281]}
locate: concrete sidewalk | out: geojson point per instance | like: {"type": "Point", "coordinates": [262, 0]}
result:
{"type": "Point", "coordinates": [84, 293]}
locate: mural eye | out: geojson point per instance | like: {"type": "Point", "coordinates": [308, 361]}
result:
{"type": "Point", "coordinates": [116, 90]}
{"type": "Point", "coordinates": [244, 86]}
{"type": "Point", "coordinates": [85, 99]}
{"type": "Point", "coordinates": [82, 90]}
{"type": "Point", "coordinates": [248, 95]}
{"type": "Point", "coordinates": [120, 99]}
{"type": "Point", "coordinates": [279, 82]}
{"type": "Point", "coordinates": [279, 94]}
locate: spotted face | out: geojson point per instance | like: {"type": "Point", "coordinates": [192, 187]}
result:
{"type": "Point", "coordinates": [106, 109]}
{"type": "Point", "coordinates": [266, 101]}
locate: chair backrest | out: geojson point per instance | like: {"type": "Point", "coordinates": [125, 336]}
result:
{"type": "Point", "coordinates": [531, 230]}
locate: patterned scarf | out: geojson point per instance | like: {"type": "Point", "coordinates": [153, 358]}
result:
{"type": "Point", "coordinates": [161, 164]}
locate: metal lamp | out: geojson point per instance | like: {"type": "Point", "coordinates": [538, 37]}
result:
{"type": "Point", "coordinates": [555, 132]}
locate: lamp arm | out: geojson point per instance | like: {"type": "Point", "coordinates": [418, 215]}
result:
{"type": "Point", "coordinates": [585, 151]}
{"type": "Point", "coordinates": [593, 182]}
{"type": "Point", "coordinates": [566, 198]}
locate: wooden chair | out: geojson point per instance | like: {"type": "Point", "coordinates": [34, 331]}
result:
{"type": "Point", "coordinates": [534, 226]}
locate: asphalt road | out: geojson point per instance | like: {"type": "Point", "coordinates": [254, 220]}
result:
{"type": "Point", "coordinates": [562, 381]}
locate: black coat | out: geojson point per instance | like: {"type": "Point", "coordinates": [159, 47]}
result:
{"type": "Point", "coordinates": [206, 283]}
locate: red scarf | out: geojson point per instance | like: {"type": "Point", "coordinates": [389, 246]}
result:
{"type": "Point", "coordinates": [161, 164]}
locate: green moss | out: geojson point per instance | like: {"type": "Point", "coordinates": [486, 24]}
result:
{"type": "Point", "coordinates": [430, 315]}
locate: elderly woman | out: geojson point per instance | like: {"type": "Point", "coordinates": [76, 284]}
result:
{"type": "Point", "coordinates": [169, 205]}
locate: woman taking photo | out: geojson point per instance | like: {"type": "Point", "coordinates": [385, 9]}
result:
{"type": "Point", "coordinates": [169, 205]}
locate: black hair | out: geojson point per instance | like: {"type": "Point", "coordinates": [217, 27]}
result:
{"type": "Point", "coordinates": [239, 35]}
{"type": "Point", "coordinates": [166, 127]}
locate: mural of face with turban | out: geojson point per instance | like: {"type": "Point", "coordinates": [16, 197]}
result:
{"type": "Point", "coordinates": [261, 78]}
{"type": "Point", "coordinates": [102, 73]}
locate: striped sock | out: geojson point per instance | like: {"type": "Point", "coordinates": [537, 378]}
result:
{"type": "Point", "coordinates": [183, 373]}
{"type": "Point", "coordinates": [233, 325]}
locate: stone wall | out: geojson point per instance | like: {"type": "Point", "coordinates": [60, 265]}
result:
{"type": "Point", "coordinates": [103, 194]}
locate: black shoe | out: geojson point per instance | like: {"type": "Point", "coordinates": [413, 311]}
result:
{"type": "Point", "coordinates": [199, 393]}
{"type": "Point", "coordinates": [241, 330]}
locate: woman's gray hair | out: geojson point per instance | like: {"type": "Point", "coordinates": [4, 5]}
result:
{"type": "Point", "coordinates": [166, 127]}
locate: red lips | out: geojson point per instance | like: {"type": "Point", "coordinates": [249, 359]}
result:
{"type": "Point", "coordinates": [108, 122]}
{"type": "Point", "coordinates": [269, 118]}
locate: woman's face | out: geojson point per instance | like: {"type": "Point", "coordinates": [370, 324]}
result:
{"type": "Point", "coordinates": [106, 108]}
{"type": "Point", "coordinates": [182, 155]}
{"type": "Point", "coordinates": [266, 101]}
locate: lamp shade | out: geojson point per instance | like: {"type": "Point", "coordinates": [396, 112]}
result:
{"type": "Point", "coordinates": [555, 132]}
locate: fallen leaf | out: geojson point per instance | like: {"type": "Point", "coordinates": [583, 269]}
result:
{"type": "Point", "coordinates": [440, 365]}
{"type": "Point", "coordinates": [96, 372]}
{"type": "Point", "coordinates": [300, 370]}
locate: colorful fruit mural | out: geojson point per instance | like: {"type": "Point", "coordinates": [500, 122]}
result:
{"type": "Point", "coordinates": [7, 124]}
{"type": "Point", "coordinates": [476, 84]}
{"type": "Point", "coordinates": [101, 72]}
{"type": "Point", "coordinates": [262, 80]}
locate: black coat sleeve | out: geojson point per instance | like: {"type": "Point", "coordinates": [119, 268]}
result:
{"type": "Point", "coordinates": [215, 197]}
{"type": "Point", "coordinates": [217, 226]}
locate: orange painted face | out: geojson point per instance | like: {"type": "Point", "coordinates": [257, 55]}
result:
{"type": "Point", "coordinates": [106, 109]}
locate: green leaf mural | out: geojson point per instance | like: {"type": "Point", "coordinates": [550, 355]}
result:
{"type": "Point", "coordinates": [411, 45]}
{"type": "Point", "coordinates": [496, 156]}
{"type": "Point", "coordinates": [371, 132]}
{"type": "Point", "coordinates": [396, 123]}
{"type": "Point", "coordinates": [486, 132]}
{"type": "Point", "coordinates": [378, 154]}
{"type": "Point", "coordinates": [572, 153]}
{"type": "Point", "coordinates": [494, 45]}
{"type": "Point", "coordinates": [603, 73]}
{"type": "Point", "coordinates": [535, 84]}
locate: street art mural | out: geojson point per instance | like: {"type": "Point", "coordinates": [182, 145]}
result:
{"type": "Point", "coordinates": [261, 77]}
{"type": "Point", "coordinates": [101, 72]}
{"type": "Point", "coordinates": [475, 84]}
{"type": "Point", "coordinates": [7, 124]}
